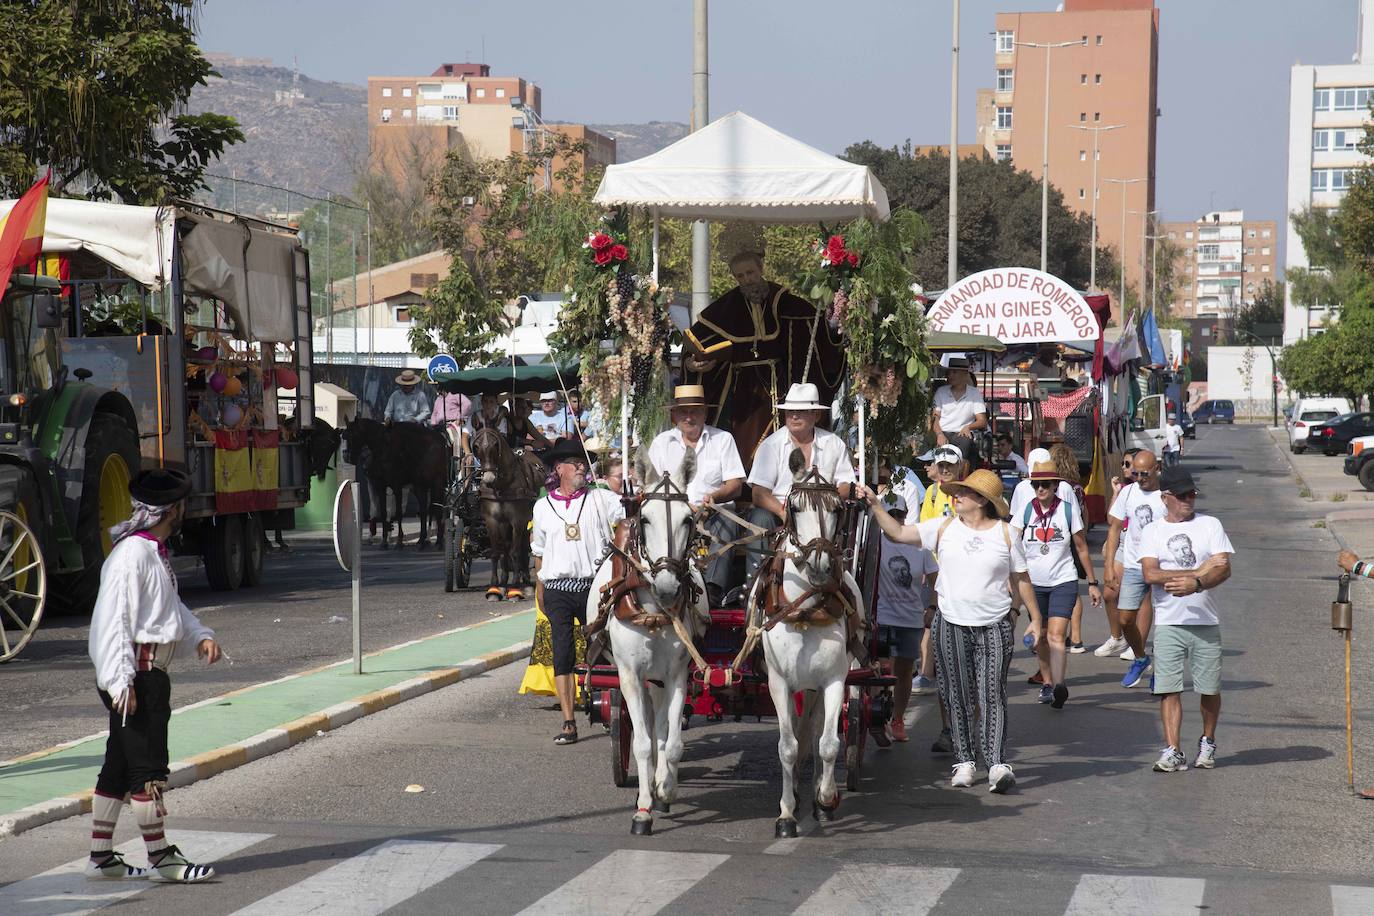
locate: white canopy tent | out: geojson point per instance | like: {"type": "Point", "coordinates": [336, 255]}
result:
{"type": "Point", "coordinates": [738, 168]}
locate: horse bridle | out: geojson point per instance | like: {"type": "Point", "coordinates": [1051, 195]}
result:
{"type": "Point", "coordinates": [819, 489]}
{"type": "Point", "coordinates": [665, 490]}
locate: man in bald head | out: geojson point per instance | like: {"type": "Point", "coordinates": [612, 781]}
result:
{"type": "Point", "coordinates": [1137, 507]}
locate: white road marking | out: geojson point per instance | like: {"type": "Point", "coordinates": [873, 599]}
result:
{"type": "Point", "coordinates": [628, 881]}
{"type": "Point", "coordinates": [1136, 895]}
{"type": "Point", "coordinates": [1349, 900]}
{"type": "Point", "coordinates": [66, 891]}
{"type": "Point", "coordinates": [879, 890]}
{"type": "Point", "coordinates": [373, 881]}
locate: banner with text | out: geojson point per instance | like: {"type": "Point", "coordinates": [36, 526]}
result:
{"type": "Point", "coordinates": [1015, 305]}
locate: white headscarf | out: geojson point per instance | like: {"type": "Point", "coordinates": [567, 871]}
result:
{"type": "Point", "coordinates": [144, 516]}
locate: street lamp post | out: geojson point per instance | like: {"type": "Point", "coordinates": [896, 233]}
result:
{"type": "Point", "coordinates": [1045, 146]}
{"type": "Point", "coordinates": [952, 269]}
{"type": "Point", "coordinates": [1121, 248]}
{"type": "Point", "coordinates": [1273, 371]}
{"type": "Point", "coordinates": [1146, 257]}
{"type": "Point", "coordinates": [1096, 131]}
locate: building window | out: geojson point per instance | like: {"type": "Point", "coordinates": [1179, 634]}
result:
{"type": "Point", "coordinates": [1005, 80]}
{"type": "Point", "coordinates": [1345, 139]}
{"type": "Point", "coordinates": [1264, 269]}
{"type": "Point", "coordinates": [1188, 234]}
{"type": "Point", "coordinates": [1341, 179]}
{"type": "Point", "coordinates": [386, 114]}
{"type": "Point", "coordinates": [481, 93]}
{"type": "Point", "coordinates": [1082, 116]}
{"type": "Point", "coordinates": [1250, 233]}
{"type": "Point", "coordinates": [1321, 100]}
{"type": "Point", "coordinates": [1321, 139]}
{"type": "Point", "coordinates": [1319, 179]}
{"type": "Point", "coordinates": [1006, 42]}
{"type": "Point", "coordinates": [1097, 116]}
{"type": "Point", "coordinates": [405, 93]}
{"type": "Point", "coordinates": [1099, 41]}
{"type": "Point", "coordinates": [1085, 41]}
{"type": "Point", "coordinates": [1097, 79]}
{"type": "Point", "coordinates": [1082, 79]}
{"type": "Point", "coordinates": [1004, 117]}
{"type": "Point", "coordinates": [1004, 152]}
{"type": "Point", "coordinates": [1264, 233]}
{"type": "Point", "coordinates": [402, 315]}
{"type": "Point", "coordinates": [1082, 155]}
{"type": "Point", "coordinates": [386, 92]}
{"type": "Point", "coordinates": [1265, 251]}
{"type": "Point", "coordinates": [450, 112]}
{"type": "Point", "coordinates": [1249, 252]}
{"type": "Point", "coordinates": [500, 93]}
{"type": "Point", "coordinates": [1249, 268]}
{"type": "Point", "coordinates": [1081, 194]}
{"type": "Point", "coordinates": [406, 113]}
{"type": "Point", "coordinates": [1344, 99]}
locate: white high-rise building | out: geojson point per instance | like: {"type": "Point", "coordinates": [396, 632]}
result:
{"type": "Point", "coordinates": [1328, 108]}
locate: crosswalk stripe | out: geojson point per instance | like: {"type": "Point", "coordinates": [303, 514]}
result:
{"type": "Point", "coordinates": [1348, 900]}
{"type": "Point", "coordinates": [66, 891]}
{"type": "Point", "coordinates": [628, 881]}
{"type": "Point", "coordinates": [373, 881]}
{"type": "Point", "coordinates": [879, 890]}
{"type": "Point", "coordinates": [1136, 895]}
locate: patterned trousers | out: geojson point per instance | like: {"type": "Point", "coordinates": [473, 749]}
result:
{"type": "Point", "coordinates": [971, 671]}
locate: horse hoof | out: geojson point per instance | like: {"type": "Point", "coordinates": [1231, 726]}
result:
{"type": "Point", "coordinates": [515, 595]}
{"type": "Point", "coordinates": [494, 595]}
{"type": "Point", "coordinates": [662, 806]}
{"type": "Point", "coordinates": [785, 828]}
{"type": "Point", "coordinates": [825, 813]}
{"type": "Point", "coordinates": [641, 827]}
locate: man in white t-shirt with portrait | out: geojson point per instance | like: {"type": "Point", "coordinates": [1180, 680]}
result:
{"type": "Point", "coordinates": [1184, 557]}
{"type": "Point", "coordinates": [1137, 507]}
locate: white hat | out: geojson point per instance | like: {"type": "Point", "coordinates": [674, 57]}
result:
{"type": "Point", "coordinates": [803, 396]}
{"type": "Point", "coordinates": [952, 454]}
{"type": "Point", "coordinates": [1038, 456]}
{"type": "Point", "coordinates": [549, 396]}
{"type": "Point", "coordinates": [959, 360]}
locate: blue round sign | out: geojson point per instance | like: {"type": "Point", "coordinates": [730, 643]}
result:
{"type": "Point", "coordinates": [441, 368]}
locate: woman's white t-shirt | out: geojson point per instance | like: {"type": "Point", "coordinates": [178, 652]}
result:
{"type": "Point", "coordinates": [1048, 542]}
{"type": "Point", "coordinates": [974, 569]}
{"type": "Point", "coordinates": [1024, 492]}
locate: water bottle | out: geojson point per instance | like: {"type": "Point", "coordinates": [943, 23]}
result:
{"type": "Point", "coordinates": [1027, 641]}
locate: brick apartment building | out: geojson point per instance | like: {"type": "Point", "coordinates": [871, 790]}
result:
{"type": "Point", "coordinates": [1224, 261]}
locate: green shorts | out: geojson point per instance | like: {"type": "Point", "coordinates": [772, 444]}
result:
{"type": "Point", "coordinates": [1199, 645]}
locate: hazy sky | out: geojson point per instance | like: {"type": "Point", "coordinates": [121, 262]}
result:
{"type": "Point", "coordinates": [828, 73]}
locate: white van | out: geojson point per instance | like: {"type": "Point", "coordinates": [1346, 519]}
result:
{"type": "Point", "coordinates": [1308, 412]}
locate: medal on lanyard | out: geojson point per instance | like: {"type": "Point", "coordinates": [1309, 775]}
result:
{"type": "Point", "coordinates": [572, 531]}
{"type": "Point", "coordinates": [1044, 525]}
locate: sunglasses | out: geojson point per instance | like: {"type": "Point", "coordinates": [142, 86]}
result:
{"type": "Point", "coordinates": [1045, 484]}
{"type": "Point", "coordinates": [1191, 494]}
{"type": "Point", "coordinates": [1141, 475]}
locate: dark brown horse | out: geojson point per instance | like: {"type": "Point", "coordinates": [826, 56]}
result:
{"type": "Point", "coordinates": [510, 485]}
{"type": "Point", "coordinates": [399, 456]}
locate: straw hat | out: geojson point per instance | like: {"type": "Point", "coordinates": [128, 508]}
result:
{"type": "Point", "coordinates": [1045, 470]}
{"type": "Point", "coordinates": [984, 483]}
{"type": "Point", "coordinates": [689, 396]}
{"type": "Point", "coordinates": [408, 377]}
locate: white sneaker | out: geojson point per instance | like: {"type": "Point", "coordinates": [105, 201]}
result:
{"type": "Point", "coordinates": [1206, 754]}
{"type": "Point", "coordinates": [1112, 646]}
{"type": "Point", "coordinates": [1171, 760]}
{"type": "Point", "coordinates": [963, 775]}
{"type": "Point", "coordinates": [1128, 655]}
{"type": "Point", "coordinates": [1000, 778]}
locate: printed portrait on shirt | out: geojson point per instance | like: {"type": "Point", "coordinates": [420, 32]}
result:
{"type": "Point", "coordinates": [973, 545]}
{"type": "Point", "coordinates": [1181, 546]}
{"type": "Point", "coordinates": [1144, 515]}
{"type": "Point", "coordinates": [900, 569]}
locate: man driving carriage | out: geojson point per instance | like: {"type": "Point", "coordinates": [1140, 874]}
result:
{"type": "Point", "coordinates": [407, 404]}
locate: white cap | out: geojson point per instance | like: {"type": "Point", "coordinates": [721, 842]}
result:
{"type": "Point", "coordinates": [1038, 456]}
{"type": "Point", "coordinates": [549, 396]}
{"type": "Point", "coordinates": [951, 454]}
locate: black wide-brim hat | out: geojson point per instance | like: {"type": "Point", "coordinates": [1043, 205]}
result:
{"type": "Point", "coordinates": [565, 450]}
{"type": "Point", "coordinates": [160, 487]}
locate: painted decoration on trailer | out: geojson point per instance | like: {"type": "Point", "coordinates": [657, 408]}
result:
{"type": "Point", "coordinates": [1015, 305]}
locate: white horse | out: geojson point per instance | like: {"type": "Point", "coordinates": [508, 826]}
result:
{"type": "Point", "coordinates": [659, 582]}
{"type": "Point", "coordinates": [812, 658]}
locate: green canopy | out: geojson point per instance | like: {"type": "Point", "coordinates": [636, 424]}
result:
{"type": "Point", "coordinates": [508, 379]}
{"type": "Point", "coordinates": [954, 340]}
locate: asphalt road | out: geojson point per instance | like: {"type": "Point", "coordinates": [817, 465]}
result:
{"type": "Point", "coordinates": [299, 618]}
{"type": "Point", "coordinates": [507, 821]}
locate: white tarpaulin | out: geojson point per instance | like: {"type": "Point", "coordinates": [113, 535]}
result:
{"type": "Point", "coordinates": [139, 241]}
{"type": "Point", "coordinates": [1015, 305]}
{"type": "Point", "coordinates": [738, 168]}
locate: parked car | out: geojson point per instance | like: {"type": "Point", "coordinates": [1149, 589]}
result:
{"type": "Point", "coordinates": [1218, 411]}
{"type": "Point", "coordinates": [1308, 412]}
{"type": "Point", "coordinates": [1359, 460]}
{"type": "Point", "coordinates": [1334, 435]}
{"type": "Point", "coordinates": [1185, 419]}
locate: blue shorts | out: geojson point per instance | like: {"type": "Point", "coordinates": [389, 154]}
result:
{"type": "Point", "coordinates": [1057, 600]}
{"type": "Point", "coordinates": [902, 642]}
{"type": "Point", "coordinates": [1133, 590]}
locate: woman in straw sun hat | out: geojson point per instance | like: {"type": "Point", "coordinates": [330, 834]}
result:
{"type": "Point", "coordinates": [974, 628]}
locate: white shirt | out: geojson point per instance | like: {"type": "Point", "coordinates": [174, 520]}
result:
{"type": "Point", "coordinates": [974, 570]}
{"type": "Point", "coordinates": [1173, 437]}
{"type": "Point", "coordinates": [906, 483]}
{"type": "Point", "coordinates": [1185, 545]}
{"type": "Point", "coordinates": [137, 603]}
{"type": "Point", "coordinates": [956, 413]}
{"type": "Point", "coordinates": [1137, 511]}
{"type": "Point", "coordinates": [595, 513]}
{"type": "Point", "coordinates": [829, 455]}
{"type": "Point", "coordinates": [405, 408]}
{"type": "Point", "coordinates": [717, 459]}
{"type": "Point", "coordinates": [1017, 460]}
{"type": "Point", "coordinates": [552, 425]}
{"type": "Point", "coordinates": [902, 592]}
{"type": "Point", "coordinates": [1048, 543]}
{"type": "Point", "coordinates": [1024, 492]}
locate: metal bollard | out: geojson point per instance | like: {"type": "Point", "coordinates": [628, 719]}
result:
{"type": "Point", "coordinates": [1343, 621]}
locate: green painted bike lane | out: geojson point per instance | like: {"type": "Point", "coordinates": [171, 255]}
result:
{"type": "Point", "coordinates": [209, 734]}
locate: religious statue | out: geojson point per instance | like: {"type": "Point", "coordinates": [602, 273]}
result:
{"type": "Point", "coordinates": [751, 345]}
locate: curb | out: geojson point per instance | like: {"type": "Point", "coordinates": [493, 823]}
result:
{"type": "Point", "coordinates": [273, 740]}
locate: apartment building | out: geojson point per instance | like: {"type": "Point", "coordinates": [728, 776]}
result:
{"type": "Point", "coordinates": [1107, 77]}
{"type": "Point", "coordinates": [1223, 262]}
{"type": "Point", "coordinates": [1328, 110]}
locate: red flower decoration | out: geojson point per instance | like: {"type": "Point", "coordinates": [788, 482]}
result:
{"type": "Point", "coordinates": [853, 260]}
{"type": "Point", "coordinates": [601, 241]}
{"type": "Point", "coordinates": [836, 242]}
{"type": "Point", "coordinates": [619, 252]}
{"type": "Point", "coordinates": [602, 257]}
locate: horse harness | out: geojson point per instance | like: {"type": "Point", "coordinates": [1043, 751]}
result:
{"type": "Point", "coordinates": [520, 466]}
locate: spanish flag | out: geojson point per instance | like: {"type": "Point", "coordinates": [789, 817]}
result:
{"type": "Point", "coordinates": [21, 231]}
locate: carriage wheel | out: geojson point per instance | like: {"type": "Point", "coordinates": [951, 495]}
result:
{"type": "Point", "coordinates": [858, 718]}
{"type": "Point", "coordinates": [622, 736]}
{"type": "Point", "coordinates": [23, 582]}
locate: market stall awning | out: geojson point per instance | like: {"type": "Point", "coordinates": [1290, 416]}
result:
{"type": "Point", "coordinates": [738, 168]}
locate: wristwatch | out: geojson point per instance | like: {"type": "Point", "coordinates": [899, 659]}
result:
{"type": "Point", "coordinates": [1094, 584]}
{"type": "Point", "coordinates": [1198, 582]}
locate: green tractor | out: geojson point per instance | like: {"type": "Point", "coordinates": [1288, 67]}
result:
{"type": "Point", "coordinates": [68, 450]}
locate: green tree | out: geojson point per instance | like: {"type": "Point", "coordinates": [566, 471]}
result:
{"type": "Point", "coordinates": [97, 91]}
{"type": "Point", "coordinates": [1260, 316]}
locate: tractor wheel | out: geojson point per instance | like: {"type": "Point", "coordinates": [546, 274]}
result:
{"type": "Point", "coordinates": [23, 576]}
{"type": "Point", "coordinates": [112, 460]}
{"type": "Point", "coordinates": [224, 553]}
{"type": "Point", "coordinates": [254, 546]}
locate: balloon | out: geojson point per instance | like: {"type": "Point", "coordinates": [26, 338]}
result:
{"type": "Point", "coordinates": [206, 353]}
{"type": "Point", "coordinates": [232, 387]}
{"type": "Point", "coordinates": [285, 376]}
{"type": "Point", "coordinates": [231, 414]}
{"type": "Point", "coordinates": [218, 381]}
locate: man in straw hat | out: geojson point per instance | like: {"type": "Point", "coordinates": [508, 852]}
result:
{"type": "Point", "coordinates": [408, 403]}
{"type": "Point", "coordinates": [138, 624]}
{"type": "Point", "coordinates": [771, 478]}
{"type": "Point", "coordinates": [754, 342]}
{"type": "Point", "coordinates": [719, 476]}
{"type": "Point", "coordinates": [957, 410]}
